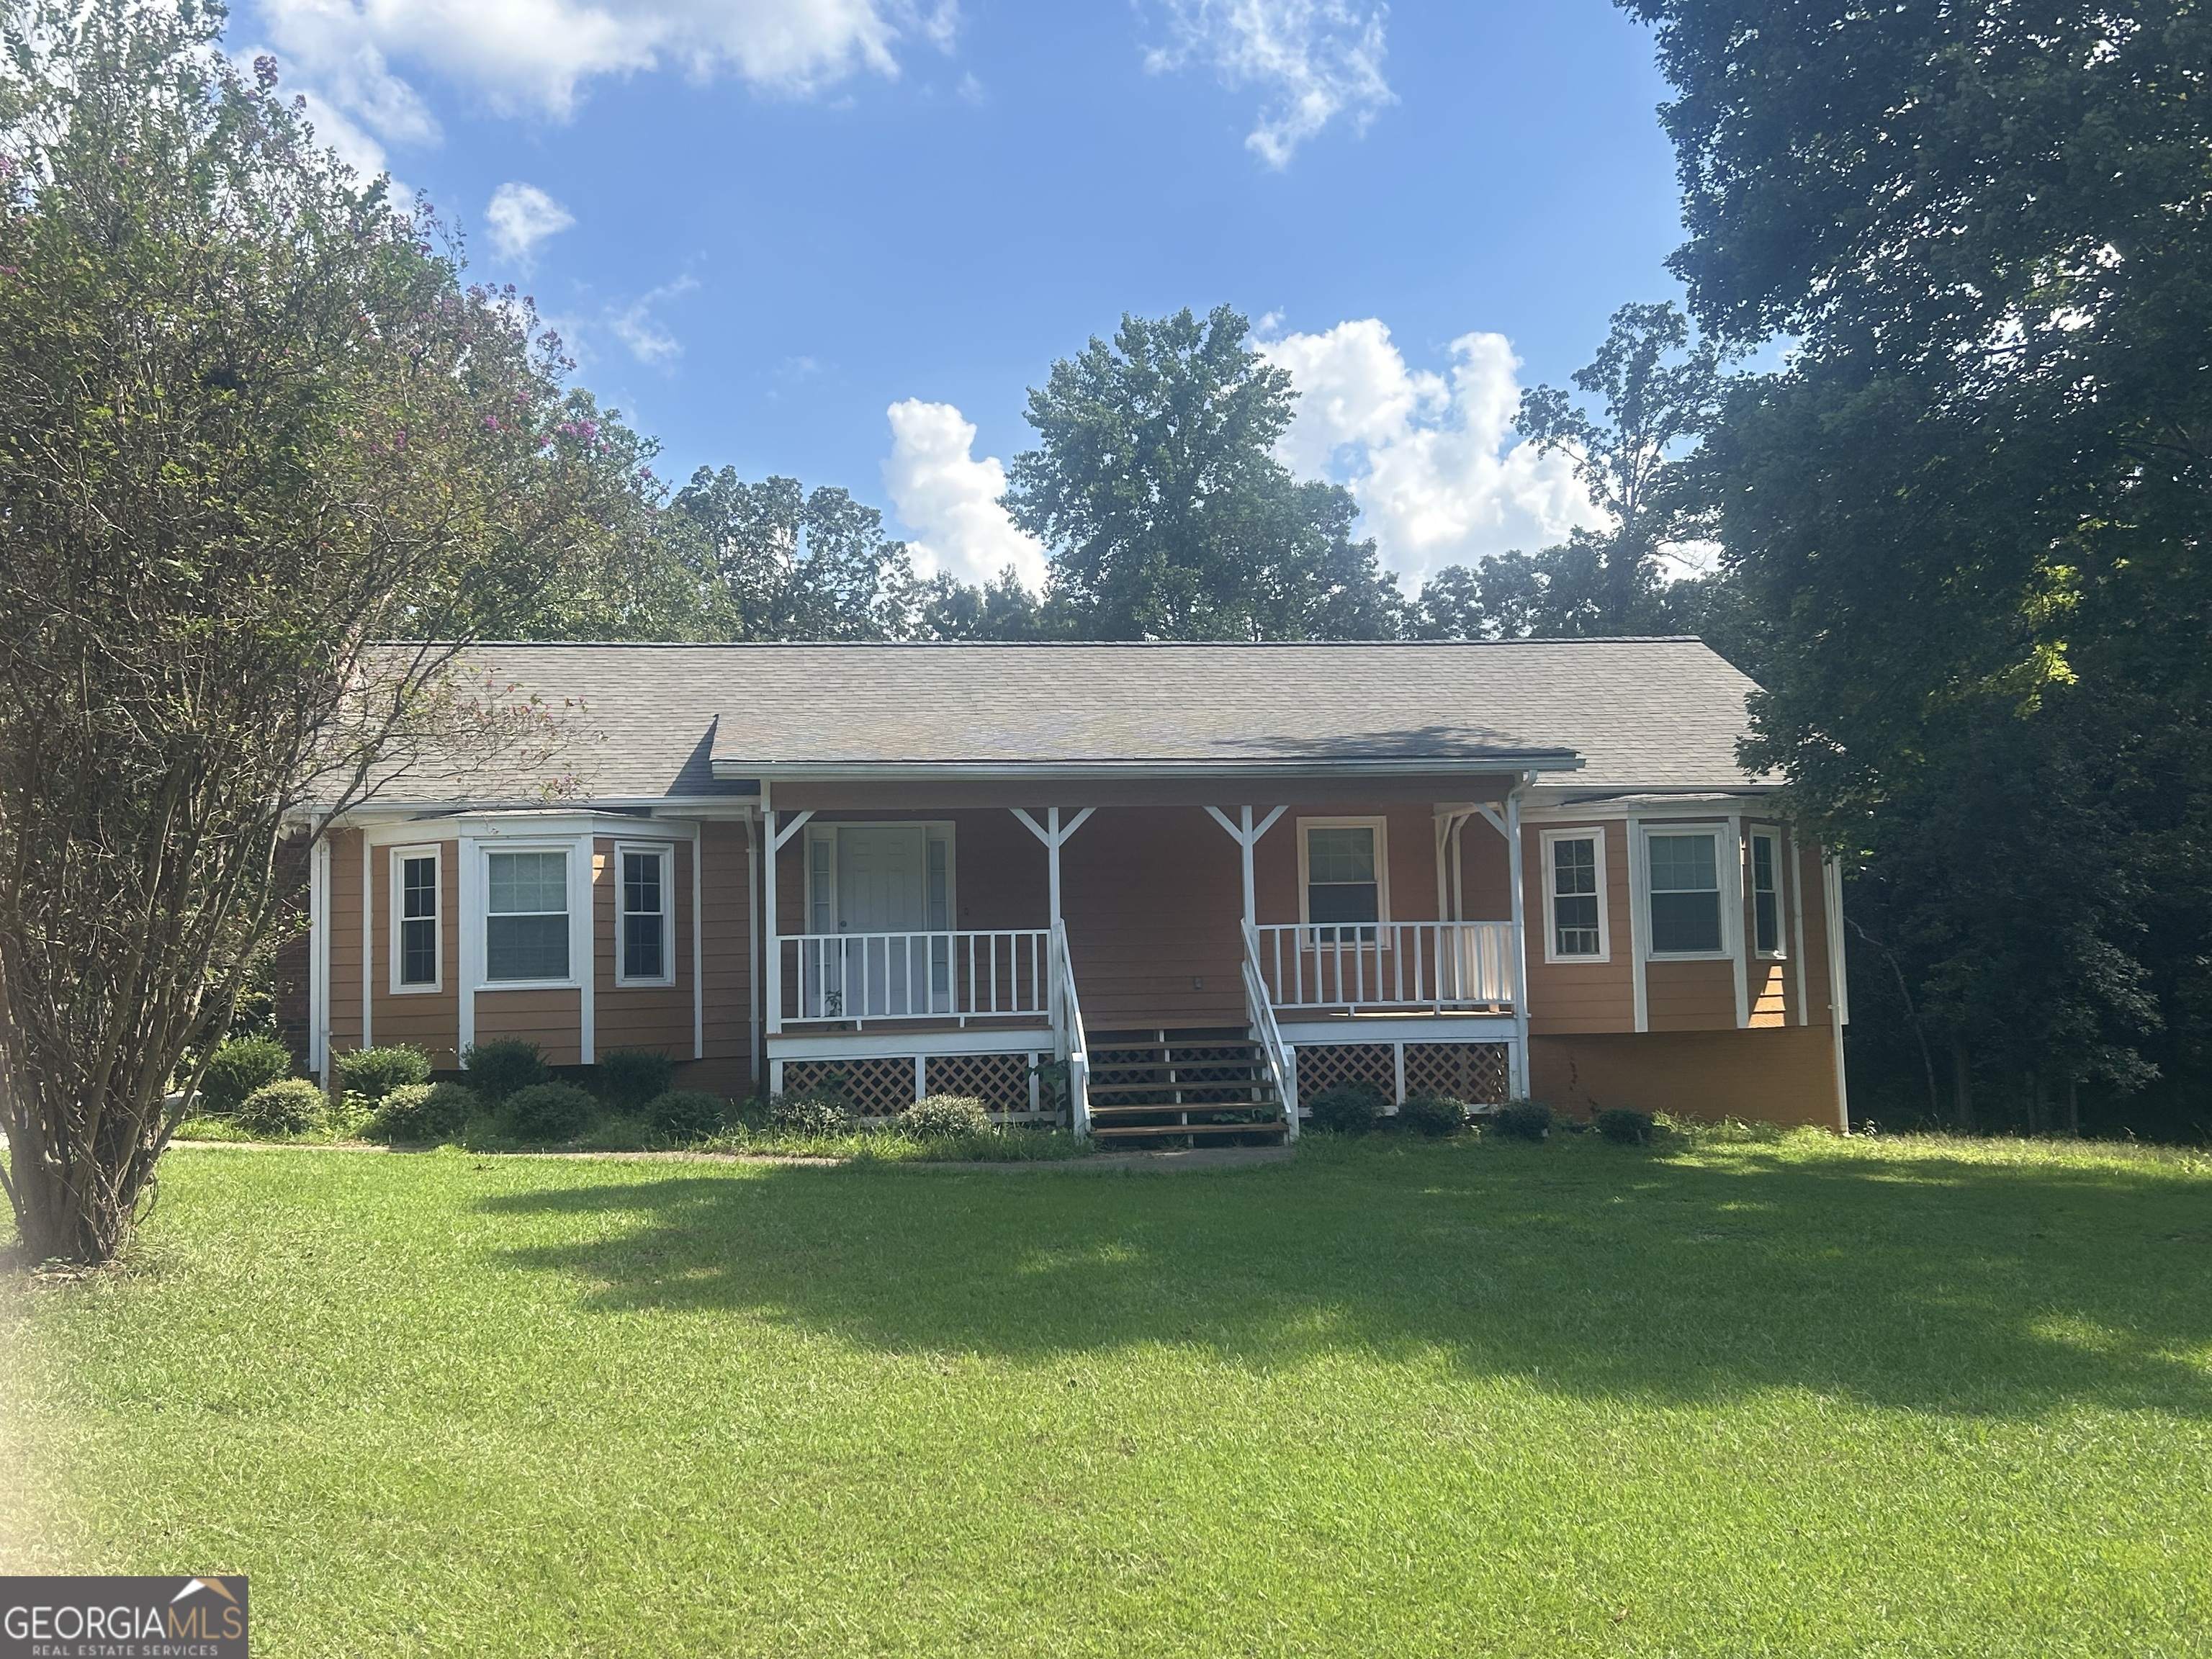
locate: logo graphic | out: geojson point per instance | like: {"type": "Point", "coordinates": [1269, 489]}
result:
{"type": "Point", "coordinates": [123, 1617]}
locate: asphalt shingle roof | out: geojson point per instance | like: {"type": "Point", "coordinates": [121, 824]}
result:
{"type": "Point", "coordinates": [646, 721]}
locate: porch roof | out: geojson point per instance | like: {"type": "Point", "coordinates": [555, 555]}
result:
{"type": "Point", "coordinates": [652, 721]}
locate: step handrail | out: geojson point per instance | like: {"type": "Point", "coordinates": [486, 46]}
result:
{"type": "Point", "coordinates": [1068, 1042]}
{"type": "Point", "coordinates": [1282, 1059]}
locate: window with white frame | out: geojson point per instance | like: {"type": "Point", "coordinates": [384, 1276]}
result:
{"type": "Point", "coordinates": [1574, 896]}
{"type": "Point", "coordinates": [1683, 867]}
{"type": "Point", "coordinates": [526, 916]}
{"type": "Point", "coordinates": [1766, 892]}
{"type": "Point", "coordinates": [1344, 876]}
{"type": "Point", "coordinates": [643, 935]}
{"type": "Point", "coordinates": [416, 953]}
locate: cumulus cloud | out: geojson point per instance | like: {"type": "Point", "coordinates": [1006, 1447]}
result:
{"type": "Point", "coordinates": [949, 500]}
{"type": "Point", "coordinates": [1314, 60]}
{"type": "Point", "coordinates": [636, 327]}
{"type": "Point", "coordinates": [521, 216]}
{"type": "Point", "coordinates": [534, 55]}
{"type": "Point", "coordinates": [1430, 457]}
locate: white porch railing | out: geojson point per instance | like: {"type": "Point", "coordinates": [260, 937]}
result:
{"type": "Point", "coordinates": [1282, 1059]}
{"type": "Point", "coordinates": [1385, 964]}
{"type": "Point", "coordinates": [1068, 1041]}
{"type": "Point", "coordinates": [957, 975]}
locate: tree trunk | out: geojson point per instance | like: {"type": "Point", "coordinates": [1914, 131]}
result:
{"type": "Point", "coordinates": [2074, 1107]}
{"type": "Point", "coordinates": [1962, 1087]}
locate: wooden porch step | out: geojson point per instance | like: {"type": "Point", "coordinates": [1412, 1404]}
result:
{"type": "Point", "coordinates": [1178, 1131]}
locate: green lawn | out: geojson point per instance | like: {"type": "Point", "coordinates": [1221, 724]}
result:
{"type": "Point", "coordinates": [1792, 1396]}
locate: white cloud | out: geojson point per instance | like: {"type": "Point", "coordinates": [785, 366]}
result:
{"type": "Point", "coordinates": [1317, 59]}
{"type": "Point", "coordinates": [1430, 457]}
{"type": "Point", "coordinates": [636, 327]}
{"type": "Point", "coordinates": [533, 56]}
{"type": "Point", "coordinates": [949, 500]}
{"type": "Point", "coordinates": [521, 216]}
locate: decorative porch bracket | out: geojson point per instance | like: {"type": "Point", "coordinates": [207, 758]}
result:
{"type": "Point", "coordinates": [1507, 824]}
{"type": "Point", "coordinates": [772, 989]}
{"type": "Point", "coordinates": [1054, 835]}
{"type": "Point", "coordinates": [1246, 837]}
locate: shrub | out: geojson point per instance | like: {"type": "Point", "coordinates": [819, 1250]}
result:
{"type": "Point", "coordinates": [686, 1114]}
{"type": "Point", "coordinates": [423, 1112]}
{"type": "Point", "coordinates": [498, 1069]}
{"type": "Point", "coordinates": [1433, 1115]}
{"type": "Point", "coordinates": [631, 1078]}
{"type": "Point", "coordinates": [550, 1111]}
{"type": "Point", "coordinates": [1524, 1119]}
{"type": "Point", "coordinates": [1349, 1109]}
{"type": "Point", "coordinates": [809, 1115]}
{"type": "Point", "coordinates": [290, 1106]}
{"type": "Point", "coordinates": [373, 1073]}
{"type": "Point", "coordinates": [1618, 1123]}
{"type": "Point", "coordinates": [946, 1114]}
{"type": "Point", "coordinates": [238, 1068]}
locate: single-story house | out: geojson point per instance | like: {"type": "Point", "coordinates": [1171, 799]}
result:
{"type": "Point", "coordinates": [1134, 885]}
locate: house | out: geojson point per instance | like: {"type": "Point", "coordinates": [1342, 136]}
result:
{"type": "Point", "coordinates": [1141, 885]}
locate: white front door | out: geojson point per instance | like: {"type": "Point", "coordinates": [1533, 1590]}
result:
{"type": "Point", "coordinates": [882, 879]}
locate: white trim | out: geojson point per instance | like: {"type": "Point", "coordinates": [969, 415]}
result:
{"type": "Point", "coordinates": [1742, 952]}
{"type": "Point", "coordinates": [1797, 921]}
{"type": "Point", "coordinates": [755, 989]}
{"type": "Point", "coordinates": [1730, 915]}
{"type": "Point", "coordinates": [901, 1045]}
{"type": "Point", "coordinates": [1773, 837]}
{"type": "Point", "coordinates": [664, 851]}
{"type": "Point", "coordinates": [583, 873]}
{"type": "Point", "coordinates": [1839, 1008]}
{"type": "Point", "coordinates": [932, 830]}
{"type": "Point", "coordinates": [1246, 837]}
{"type": "Point", "coordinates": [1548, 839]}
{"type": "Point", "coordinates": [468, 972]}
{"type": "Point", "coordinates": [772, 970]}
{"type": "Point", "coordinates": [1417, 1028]}
{"type": "Point", "coordinates": [698, 952]}
{"type": "Point", "coordinates": [1054, 835]}
{"type": "Point", "coordinates": [318, 958]}
{"type": "Point", "coordinates": [1521, 1084]}
{"type": "Point", "coordinates": [393, 859]}
{"type": "Point", "coordinates": [367, 939]}
{"type": "Point", "coordinates": [574, 979]}
{"type": "Point", "coordinates": [1639, 982]}
{"type": "Point", "coordinates": [1503, 764]}
{"type": "Point", "coordinates": [1381, 826]}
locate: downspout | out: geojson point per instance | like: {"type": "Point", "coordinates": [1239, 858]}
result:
{"type": "Point", "coordinates": [755, 992]}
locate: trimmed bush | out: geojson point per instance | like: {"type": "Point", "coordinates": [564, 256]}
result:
{"type": "Point", "coordinates": [1619, 1124]}
{"type": "Point", "coordinates": [550, 1111]}
{"type": "Point", "coordinates": [942, 1116]}
{"type": "Point", "coordinates": [1349, 1109]}
{"type": "Point", "coordinates": [809, 1115]}
{"type": "Point", "coordinates": [631, 1078]}
{"type": "Point", "coordinates": [498, 1069]}
{"type": "Point", "coordinates": [1433, 1115]}
{"type": "Point", "coordinates": [290, 1106]}
{"type": "Point", "coordinates": [687, 1114]}
{"type": "Point", "coordinates": [239, 1067]}
{"type": "Point", "coordinates": [373, 1073]}
{"type": "Point", "coordinates": [1524, 1119]}
{"type": "Point", "coordinates": [426, 1112]}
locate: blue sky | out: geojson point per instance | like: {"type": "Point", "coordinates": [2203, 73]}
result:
{"type": "Point", "coordinates": [826, 238]}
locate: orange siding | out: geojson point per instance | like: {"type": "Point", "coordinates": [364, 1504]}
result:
{"type": "Point", "coordinates": [1409, 833]}
{"type": "Point", "coordinates": [429, 1020]}
{"type": "Point", "coordinates": [1581, 996]}
{"type": "Point", "coordinates": [551, 1019]}
{"type": "Point", "coordinates": [1783, 1075]}
{"type": "Point", "coordinates": [1154, 897]}
{"type": "Point", "coordinates": [1485, 873]}
{"type": "Point", "coordinates": [345, 940]}
{"type": "Point", "coordinates": [1690, 996]}
{"type": "Point", "coordinates": [1771, 991]}
{"type": "Point", "coordinates": [725, 903]}
{"type": "Point", "coordinates": [655, 1017]}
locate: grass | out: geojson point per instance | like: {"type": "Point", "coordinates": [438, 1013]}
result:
{"type": "Point", "coordinates": [1789, 1396]}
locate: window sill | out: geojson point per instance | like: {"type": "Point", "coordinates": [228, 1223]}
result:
{"type": "Point", "coordinates": [531, 985]}
{"type": "Point", "coordinates": [1689, 956]}
{"type": "Point", "coordinates": [668, 984]}
{"type": "Point", "coordinates": [417, 990]}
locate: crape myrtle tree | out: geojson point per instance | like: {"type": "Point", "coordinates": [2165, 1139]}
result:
{"type": "Point", "coordinates": [253, 425]}
{"type": "Point", "coordinates": [1973, 512]}
{"type": "Point", "coordinates": [1155, 489]}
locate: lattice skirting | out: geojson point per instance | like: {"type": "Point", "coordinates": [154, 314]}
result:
{"type": "Point", "coordinates": [1326, 1065]}
{"type": "Point", "coordinates": [873, 1088]}
{"type": "Point", "coordinates": [1479, 1073]}
{"type": "Point", "coordinates": [1002, 1081]}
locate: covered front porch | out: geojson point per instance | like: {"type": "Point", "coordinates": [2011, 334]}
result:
{"type": "Point", "coordinates": [1144, 955]}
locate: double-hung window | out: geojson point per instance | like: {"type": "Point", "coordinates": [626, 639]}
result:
{"type": "Point", "coordinates": [644, 939]}
{"type": "Point", "coordinates": [526, 916]}
{"type": "Point", "coordinates": [1686, 892]}
{"type": "Point", "coordinates": [1766, 892]}
{"type": "Point", "coordinates": [1574, 892]}
{"type": "Point", "coordinates": [1345, 877]}
{"type": "Point", "coordinates": [415, 942]}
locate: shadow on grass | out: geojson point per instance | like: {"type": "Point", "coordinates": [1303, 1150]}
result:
{"type": "Point", "coordinates": [1935, 1282]}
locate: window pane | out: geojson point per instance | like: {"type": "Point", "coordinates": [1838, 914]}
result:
{"type": "Point", "coordinates": [522, 883]}
{"type": "Point", "coordinates": [1574, 866]}
{"type": "Point", "coordinates": [1576, 918]}
{"type": "Point", "coordinates": [527, 947]}
{"type": "Point", "coordinates": [1683, 864]}
{"type": "Point", "coordinates": [641, 952]}
{"type": "Point", "coordinates": [1351, 902]}
{"type": "Point", "coordinates": [418, 884]}
{"type": "Point", "coordinates": [642, 881]}
{"type": "Point", "coordinates": [1769, 922]}
{"type": "Point", "coordinates": [418, 952]}
{"type": "Point", "coordinates": [1340, 855]}
{"type": "Point", "coordinates": [1686, 922]}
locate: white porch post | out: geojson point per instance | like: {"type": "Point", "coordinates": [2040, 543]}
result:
{"type": "Point", "coordinates": [319, 956]}
{"type": "Point", "coordinates": [754, 994]}
{"type": "Point", "coordinates": [772, 978]}
{"type": "Point", "coordinates": [1052, 861]}
{"type": "Point", "coordinates": [367, 935]}
{"type": "Point", "coordinates": [1520, 942]}
{"type": "Point", "coordinates": [1247, 835]}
